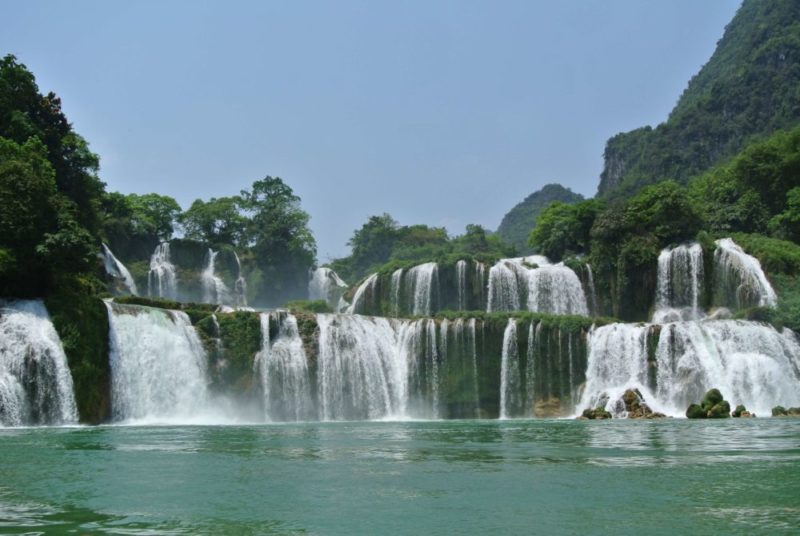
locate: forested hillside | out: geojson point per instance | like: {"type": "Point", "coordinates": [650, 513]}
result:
{"type": "Point", "coordinates": [518, 222]}
{"type": "Point", "coordinates": [748, 89]}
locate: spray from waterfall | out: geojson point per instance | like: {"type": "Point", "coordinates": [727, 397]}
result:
{"type": "Point", "coordinates": [325, 284]}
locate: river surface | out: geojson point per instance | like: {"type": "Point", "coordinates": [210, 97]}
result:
{"type": "Point", "coordinates": [445, 477]}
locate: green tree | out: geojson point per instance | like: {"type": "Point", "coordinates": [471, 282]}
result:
{"type": "Point", "coordinates": [786, 225]}
{"type": "Point", "coordinates": [216, 221]}
{"type": "Point", "coordinates": [283, 245]}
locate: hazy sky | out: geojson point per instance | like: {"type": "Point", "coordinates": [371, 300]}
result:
{"type": "Point", "coordinates": [444, 113]}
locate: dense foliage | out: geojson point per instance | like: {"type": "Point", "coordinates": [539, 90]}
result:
{"type": "Point", "coordinates": [382, 240]}
{"type": "Point", "coordinates": [518, 222]}
{"type": "Point", "coordinates": [747, 89]}
{"type": "Point", "coordinates": [49, 189]}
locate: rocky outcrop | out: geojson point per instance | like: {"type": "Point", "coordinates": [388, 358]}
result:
{"type": "Point", "coordinates": [713, 406]}
{"type": "Point", "coordinates": [741, 412]}
{"type": "Point", "coordinates": [780, 411]}
{"type": "Point", "coordinates": [636, 408]}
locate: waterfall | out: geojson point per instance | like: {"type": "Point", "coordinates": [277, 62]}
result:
{"type": "Point", "coordinates": [592, 291]}
{"type": "Point", "coordinates": [35, 380]}
{"type": "Point", "coordinates": [325, 284]}
{"type": "Point", "coordinates": [161, 280]}
{"type": "Point", "coordinates": [510, 383]}
{"type": "Point", "coordinates": [421, 283]}
{"type": "Point", "coordinates": [556, 289]}
{"type": "Point", "coordinates": [461, 282]}
{"type": "Point", "coordinates": [617, 361]}
{"type": "Point", "coordinates": [750, 363]}
{"type": "Point", "coordinates": [480, 280]}
{"type": "Point", "coordinates": [394, 291]}
{"type": "Point", "coordinates": [240, 286]}
{"type": "Point", "coordinates": [360, 372]}
{"type": "Point", "coordinates": [739, 281]}
{"type": "Point", "coordinates": [158, 365]}
{"type": "Point", "coordinates": [214, 288]}
{"type": "Point", "coordinates": [679, 283]}
{"type": "Point", "coordinates": [504, 292]}
{"type": "Point", "coordinates": [474, 354]}
{"type": "Point", "coordinates": [533, 284]}
{"type": "Point", "coordinates": [364, 292]}
{"type": "Point", "coordinates": [118, 271]}
{"type": "Point", "coordinates": [282, 368]}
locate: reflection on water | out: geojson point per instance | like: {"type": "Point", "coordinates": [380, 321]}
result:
{"type": "Point", "coordinates": [405, 477]}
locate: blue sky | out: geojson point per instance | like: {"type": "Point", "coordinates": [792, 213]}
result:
{"type": "Point", "coordinates": [444, 113]}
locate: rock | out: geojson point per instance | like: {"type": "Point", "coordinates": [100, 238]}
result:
{"type": "Point", "coordinates": [695, 411]}
{"type": "Point", "coordinates": [738, 411]}
{"type": "Point", "coordinates": [720, 411]}
{"type": "Point", "coordinates": [711, 399]}
{"type": "Point", "coordinates": [636, 407]}
{"type": "Point", "coordinates": [780, 411]}
{"type": "Point", "coordinates": [598, 413]}
{"type": "Point", "coordinates": [747, 415]}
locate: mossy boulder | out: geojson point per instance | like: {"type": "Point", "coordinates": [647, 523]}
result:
{"type": "Point", "coordinates": [780, 411]}
{"type": "Point", "coordinates": [695, 411]}
{"type": "Point", "coordinates": [598, 413]}
{"type": "Point", "coordinates": [711, 399]}
{"type": "Point", "coordinates": [720, 411]}
{"type": "Point", "coordinates": [741, 412]}
{"type": "Point", "coordinates": [713, 406]}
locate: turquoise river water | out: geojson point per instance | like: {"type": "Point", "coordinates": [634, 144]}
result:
{"type": "Point", "coordinates": [444, 477]}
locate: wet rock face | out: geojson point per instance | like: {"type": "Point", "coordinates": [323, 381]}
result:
{"type": "Point", "coordinates": [741, 412]}
{"type": "Point", "coordinates": [636, 407]}
{"type": "Point", "coordinates": [595, 414]}
{"type": "Point", "coordinates": [713, 406]}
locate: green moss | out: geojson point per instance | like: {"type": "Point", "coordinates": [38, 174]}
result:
{"type": "Point", "coordinates": [309, 306]}
{"type": "Point", "coordinates": [695, 411]}
{"type": "Point", "coordinates": [81, 321]}
{"type": "Point", "coordinates": [240, 335]}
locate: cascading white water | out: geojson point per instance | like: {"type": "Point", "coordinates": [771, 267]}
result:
{"type": "Point", "coordinates": [214, 288]}
{"type": "Point", "coordinates": [325, 284]}
{"type": "Point", "coordinates": [679, 283]}
{"type": "Point", "coordinates": [158, 366]}
{"type": "Point", "coordinates": [592, 290]}
{"type": "Point", "coordinates": [533, 284]}
{"type": "Point", "coordinates": [480, 280]}
{"type": "Point", "coordinates": [161, 280]}
{"type": "Point", "coordinates": [282, 367]}
{"type": "Point", "coordinates": [35, 380]}
{"type": "Point", "coordinates": [617, 361]}
{"type": "Point", "coordinates": [394, 291]}
{"type": "Point", "coordinates": [739, 281]}
{"type": "Point", "coordinates": [461, 283]}
{"type": "Point", "coordinates": [365, 291]}
{"type": "Point", "coordinates": [750, 363]}
{"type": "Point", "coordinates": [360, 374]}
{"type": "Point", "coordinates": [504, 292]}
{"type": "Point", "coordinates": [421, 284]}
{"type": "Point", "coordinates": [240, 286]}
{"type": "Point", "coordinates": [510, 380]}
{"type": "Point", "coordinates": [118, 271]}
{"type": "Point", "coordinates": [556, 289]}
